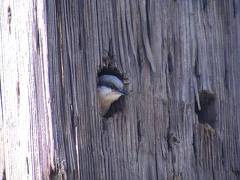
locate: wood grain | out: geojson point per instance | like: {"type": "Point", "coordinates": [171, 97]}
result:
{"type": "Point", "coordinates": [181, 119]}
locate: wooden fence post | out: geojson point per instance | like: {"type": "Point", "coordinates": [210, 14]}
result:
{"type": "Point", "coordinates": [181, 119]}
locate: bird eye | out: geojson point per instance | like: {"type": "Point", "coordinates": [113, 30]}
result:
{"type": "Point", "coordinates": [113, 87]}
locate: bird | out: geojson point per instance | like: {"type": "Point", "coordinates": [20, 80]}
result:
{"type": "Point", "coordinates": [109, 89]}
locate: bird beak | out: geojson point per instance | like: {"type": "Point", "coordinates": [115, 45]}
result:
{"type": "Point", "coordinates": [124, 92]}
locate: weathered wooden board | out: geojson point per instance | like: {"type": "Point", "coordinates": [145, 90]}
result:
{"type": "Point", "coordinates": [181, 119]}
{"type": "Point", "coordinates": [25, 125]}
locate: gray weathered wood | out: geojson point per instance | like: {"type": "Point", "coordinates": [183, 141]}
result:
{"type": "Point", "coordinates": [181, 119]}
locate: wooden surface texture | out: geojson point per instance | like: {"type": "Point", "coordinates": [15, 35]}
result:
{"type": "Point", "coordinates": [181, 120]}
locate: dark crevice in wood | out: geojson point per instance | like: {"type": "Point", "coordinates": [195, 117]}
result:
{"type": "Point", "coordinates": [204, 5]}
{"type": "Point", "coordinates": [169, 113]}
{"type": "Point", "coordinates": [37, 31]}
{"type": "Point", "coordinates": [236, 172]}
{"type": "Point", "coordinates": [170, 63]}
{"type": "Point", "coordinates": [213, 173]}
{"type": "Point", "coordinates": [156, 163]}
{"type": "Point", "coordinates": [37, 40]}
{"type": "Point", "coordinates": [27, 165]}
{"type": "Point", "coordinates": [9, 18]}
{"type": "Point", "coordinates": [234, 9]}
{"type": "Point", "coordinates": [195, 152]}
{"type": "Point", "coordinates": [139, 134]}
{"type": "Point", "coordinates": [168, 140]}
{"type": "Point", "coordinates": [18, 92]}
{"type": "Point", "coordinates": [139, 60]}
{"type": "Point", "coordinates": [207, 112]}
{"type": "Point", "coordinates": [196, 65]}
{"type": "Point", "coordinates": [73, 123]}
{"type": "Point", "coordinates": [223, 156]}
{"type": "Point", "coordinates": [147, 20]}
{"type": "Point", "coordinates": [226, 73]}
{"type": "Point", "coordinates": [4, 175]}
{"type": "Point", "coordinates": [194, 147]}
{"type": "Point", "coordinates": [81, 27]}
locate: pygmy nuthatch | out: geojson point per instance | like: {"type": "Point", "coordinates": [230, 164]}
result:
{"type": "Point", "coordinates": [109, 89]}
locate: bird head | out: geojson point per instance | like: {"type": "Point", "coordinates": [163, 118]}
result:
{"type": "Point", "coordinates": [110, 89]}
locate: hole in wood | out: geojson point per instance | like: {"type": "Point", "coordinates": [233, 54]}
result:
{"type": "Point", "coordinates": [207, 112]}
{"type": "Point", "coordinates": [111, 90]}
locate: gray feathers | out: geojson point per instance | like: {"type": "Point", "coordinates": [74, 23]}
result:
{"type": "Point", "coordinates": [110, 81]}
